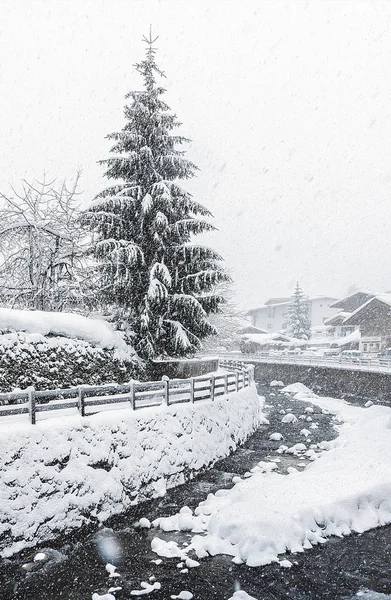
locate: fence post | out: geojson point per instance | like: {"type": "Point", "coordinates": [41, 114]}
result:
{"type": "Point", "coordinates": [192, 390]}
{"type": "Point", "coordinates": [212, 387]}
{"type": "Point", "coordinates": [31, 401]}
{"type": "Point", "coordinates": [244, 377]}
{"type": "Point", "coordinates": [237, 380]}
{"type": "Point", "coordinates": [166, 397]}
{"type": "Point", "coordinates": [226, 384]}
{"type": "Point", "coordinates": [81, 403]}
{"type": "Point", "coordinates": [132, 397]}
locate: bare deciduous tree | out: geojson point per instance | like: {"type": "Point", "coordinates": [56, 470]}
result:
{"type": "Point", "coordinates": [42, 247]}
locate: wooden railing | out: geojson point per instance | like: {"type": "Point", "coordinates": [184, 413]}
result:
{"type": "Point", "coordinates": [136, 395]}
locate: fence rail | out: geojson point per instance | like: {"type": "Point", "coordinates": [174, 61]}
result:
{"type": "Point", "coordinates": [136, 395]}
{"type": "Point", "coordinates": [374, 365]}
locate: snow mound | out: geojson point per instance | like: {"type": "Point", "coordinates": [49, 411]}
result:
{"type": "Point", "coordinates": [276, 383]}
{"type": "Point", "coordinates": [295, 388]}
{"type": "Point", "coordinates": [275, 437]}
{"type": "Point", "coordinates": [289, 418]}
{"type": "Point", "coordinates": [241, 595]}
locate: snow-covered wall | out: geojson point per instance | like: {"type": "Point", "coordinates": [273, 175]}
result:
{"type": "Point", "coordinates": [58, 475]}
{"type": "Point", "coordinates": [57, 362]}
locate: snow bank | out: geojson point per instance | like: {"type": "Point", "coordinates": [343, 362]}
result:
{"type": "Point", "coordinates": [57, 476]}
{"type": "Point", "coordinates": [347, 489]}
{"type": "Point", "coordinates": [94, 331]}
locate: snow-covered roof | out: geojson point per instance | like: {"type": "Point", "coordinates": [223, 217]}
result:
{"type": "Point", "coordinates": [251, 329]}
{"type": "Point", "coordinates": [95, 331]}
{"type": "Point", "coordinates": [320, 328]}
{"type": "Point", "coordinates": [338, 318]}
{"type": "Point", "coordinates": [321, 298]}
{"type": "Point", "coordinates": [343, 301]}
{"type": "Point", "coordinates": [284, 302]}
{"type": "Point", "coordinates": [355, 336]}
{"type": "Point", "coordinates": [385, 298]}
{"type": "Point", "coordinates": [263, 339]}
{"type": "Point", "coordinates": [265, 306]}
{"type": "Point", "coordinates": [276, 301]}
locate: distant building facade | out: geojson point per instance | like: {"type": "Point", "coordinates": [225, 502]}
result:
{"type": "Point", "coordinates": [273, 315]}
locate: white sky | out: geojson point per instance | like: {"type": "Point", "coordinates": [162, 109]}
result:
{"type": "Point", "coordinates": [287, 104]}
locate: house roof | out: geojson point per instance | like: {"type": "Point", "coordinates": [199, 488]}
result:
{"type": "Point", "coordinates": [251, 329]}
{"type": "Point", "coordinates": [383, 298]}
{"type": "Point", "coordinates": [337, 319]}
{"type": "Point", "coordinates": [321, 298]}
{"type": "Point", "coordinates": [277, 301]}
{"type": "Point", "coordinates": [352, 302]}
{"type": "Point", "coordinates": [264, 306]}
{"type": "Point", "coordinates": [263, 339]}
{"type": "Point", "coordinates": [272, 302]}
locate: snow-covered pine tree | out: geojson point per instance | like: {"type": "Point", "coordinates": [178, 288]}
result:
{"type": "Point", "coordinates": [143, 227]}
{"type": "Point", "coordinates": [299, 324]}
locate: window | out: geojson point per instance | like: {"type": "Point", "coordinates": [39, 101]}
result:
{"type": "Point", "coordinates": [271, 313]}
{"type": "Point", "coordinates": [269, 326]}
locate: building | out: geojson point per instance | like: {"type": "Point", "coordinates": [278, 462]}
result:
{"type": "Point", "coordinates": [368, 313]}
{"type": "Point", "coordinates": [373, 319]}
{"type": "Point", "coordinates": [273, 315]}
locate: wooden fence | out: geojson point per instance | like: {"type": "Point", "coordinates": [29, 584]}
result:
{"type": "Point", "coordinates": [136, 395]}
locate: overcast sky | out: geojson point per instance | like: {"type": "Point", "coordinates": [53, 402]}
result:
{"type": "Point", "coordinates": [287, 104]}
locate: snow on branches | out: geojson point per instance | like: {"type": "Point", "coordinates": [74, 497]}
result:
{"type": "Point", "coordinates": [42, 247]}
{"type": "Point", "coordinates": [299, 323]}
{"type": "Point", "coordinates": [143, 226]}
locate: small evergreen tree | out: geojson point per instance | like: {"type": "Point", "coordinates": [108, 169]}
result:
{"type": "Point", "coordinates": [299, 324]}
{"type": "Point", "coordinates": [143, 225]}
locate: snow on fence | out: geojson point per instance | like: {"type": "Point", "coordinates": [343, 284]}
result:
{"type": "Point", "coordinates": [373, 365]}
{"type": "Point", "coordinates": [135, 394]}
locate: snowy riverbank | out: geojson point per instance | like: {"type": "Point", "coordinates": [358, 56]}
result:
{"type": "Point", "coordinates": [60, 475]}
{"type": "Point", "coordinates": [347, 488]}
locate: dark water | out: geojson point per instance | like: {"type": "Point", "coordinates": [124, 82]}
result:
{"type": "Point", "coordinates": [74, 568]}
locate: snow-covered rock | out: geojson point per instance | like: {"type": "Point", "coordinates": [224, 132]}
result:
{"type": "Point", "coordinates": [289, 418]}
{"type": "Point", "coordinates": [242, 595]}
{"type": "Point", "coordinates": [184, 595]}
{"type": "Point", "coordinates": [144, 523]}
{"type": "Point", "coordinates": [275, 437]}
{"type": "Point", "coordinates": [146, 588]}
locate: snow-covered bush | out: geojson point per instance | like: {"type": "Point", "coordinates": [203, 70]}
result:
{"type": "Point", "coordinates": [58, 362]}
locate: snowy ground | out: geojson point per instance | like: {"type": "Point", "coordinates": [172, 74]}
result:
{"type": "Point", "coordinates": [345, 489]}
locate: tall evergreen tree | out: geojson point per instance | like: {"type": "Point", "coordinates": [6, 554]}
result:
{"type": "Point", "coordinates": [143, 227]}
{"type": "Point", "coordinates": [299, 324]}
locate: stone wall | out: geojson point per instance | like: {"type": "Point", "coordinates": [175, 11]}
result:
{"type": "Point", "coordinates": [65, 473]}
{"type": "Point", "coordinates": [340, 383]}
